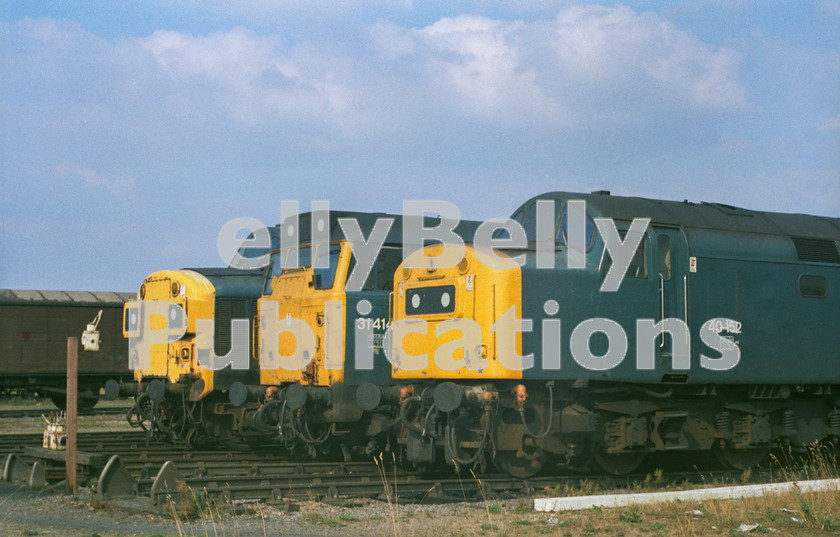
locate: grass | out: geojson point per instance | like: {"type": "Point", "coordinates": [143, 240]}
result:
{"type": "Point", "coordinates": [318, 518]}
{"type": "Point", "coordinates": [794, 513]}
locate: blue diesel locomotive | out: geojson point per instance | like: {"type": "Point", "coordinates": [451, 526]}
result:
{"type": "Point", "coordinates": [615, 328]}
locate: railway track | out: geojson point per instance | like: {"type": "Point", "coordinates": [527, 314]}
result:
{"type": "Point", "coordinates": [38, 411]}
{"type": "Point", "coordinates": [267, 476]}
{"type": "Point", "coordinates": [325, 481]}
{"type": "Point", "coordinates": [97, 441]}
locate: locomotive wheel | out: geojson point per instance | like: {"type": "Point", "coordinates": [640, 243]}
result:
{"type": "Point", "coordinates": [86, 403]}
{"type": "Point", "coordinates": [520, 467]}
{"type": "Point", "coordinates": [619, 463]}
{"type": "Point", "coordinates": [59, 400]}
{"type": "Point", "coordinates": [739, 459]}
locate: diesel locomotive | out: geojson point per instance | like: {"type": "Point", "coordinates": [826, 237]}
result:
{"type": "Point", "coordinates": [174, 395]}
{"type": "Point", "coordinates": [309, 409]}
{"type": "Point", "coordinates": [607, 329]}
{"type": "Point", "coordinates": [588, 329]}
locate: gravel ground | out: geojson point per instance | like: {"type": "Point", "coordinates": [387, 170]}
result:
{"type": "Point", "coordinates": [23, 512]}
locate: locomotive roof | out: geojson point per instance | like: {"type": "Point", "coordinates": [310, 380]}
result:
{"type": "Point", "coordinates": [704, 215]}
{"type": "Point", "coordinates": [232, 282]}
{"type": "Point", "coordinates": [34, 297]}
{"type": "Point", "coordinates": [465, 229]}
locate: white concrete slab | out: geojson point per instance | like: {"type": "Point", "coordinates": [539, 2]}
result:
{"type": "Point", "coordinates": [620, 500]}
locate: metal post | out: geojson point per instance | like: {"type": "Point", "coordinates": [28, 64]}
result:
{"type": "Point", "coordinates": [72, 390]}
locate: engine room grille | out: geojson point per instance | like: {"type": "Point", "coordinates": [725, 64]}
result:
{"type": "Point", "coordinates": [226, 309]}
{"type": "Point", "coordinates": [819, 250]}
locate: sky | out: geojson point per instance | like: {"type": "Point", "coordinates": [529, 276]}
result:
{"type": "Point", "coordinates": [132, 131]}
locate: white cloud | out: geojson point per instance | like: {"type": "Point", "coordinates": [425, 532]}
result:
{"type": "Point", "coordinates": [251, 75]}
{"type": "Point", "coordinates": [479, 59]}
{"type": "Point", "coordinates": [590, 64]}
{"type": "Point", "coordinates": [620, 52]}
{"type": "Point", "coordinates": [588, 67]}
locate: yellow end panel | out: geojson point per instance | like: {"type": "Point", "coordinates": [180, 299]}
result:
{"type": "Point", "coordinates": [482, 294]}
{"type": "Point", "coordinates": [196, 295]}
{"type": "Point", "coordinates": [297, 298]}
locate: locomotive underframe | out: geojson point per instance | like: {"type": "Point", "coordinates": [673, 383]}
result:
{"type": "Point", "coordinates": [614, 427]}
{"type": "Point", "coordinates": [299, 420]}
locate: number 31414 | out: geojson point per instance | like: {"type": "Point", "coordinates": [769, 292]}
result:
{"type": "Point", "coordinates": [379, 323]}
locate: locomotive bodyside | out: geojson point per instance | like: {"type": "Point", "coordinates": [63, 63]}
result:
{"type": "Point", "coordinates": [748, 358]}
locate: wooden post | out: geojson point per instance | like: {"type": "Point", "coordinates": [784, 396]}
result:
{"type": "Point", "coordinates": [72, 391]}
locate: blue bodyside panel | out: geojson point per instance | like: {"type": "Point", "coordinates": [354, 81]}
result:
{"type": "Point", "coordinates": [377, 320]}
{"type": "Point", "coordinates": [743, 246]}
{"type": "Point", "coordinates": [727, 262]}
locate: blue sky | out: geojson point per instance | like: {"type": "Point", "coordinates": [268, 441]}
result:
{"type": "Point", "coordinates": [130, 132]}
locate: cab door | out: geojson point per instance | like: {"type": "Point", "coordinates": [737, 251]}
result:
{"type": "Point", "coordinates": [325, 290]}
{"type": "Point", "coordinates": [672, 268]}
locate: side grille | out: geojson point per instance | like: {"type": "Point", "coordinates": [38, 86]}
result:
{"type": "Point", "coordinates": [818, 250]}
{"type": "Point", "coordinates": [227, 309]}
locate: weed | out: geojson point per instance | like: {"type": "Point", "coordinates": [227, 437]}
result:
{"type": "Point", "coordinates": [318, 518]}
{"type": "Point", "coordinates": [392, 498]}
{"type": "Point", "coordinates": [632, 516]}
{"type": "Point", "coordinates": [658, 477]}
{"type": "Point", "coordinates": [746, 476]}
{"type": "Point", "coordinates": [523, 505]}
{"type": "Point", "coordinates": [313, 518]}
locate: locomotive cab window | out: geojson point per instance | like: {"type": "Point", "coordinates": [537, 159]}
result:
{"type": "Point", "coordinates": [430, 300]}
{"type": "Point", "coordinates": [304, 259]}
{"type": "Point", "coordinates": [562, 235]}
{"type": "Point", "coordinates": [529, 222]}
{"type": "Point", "coordinates": [503, 233]}
{"type": "Point", "coordinates": [325, 277]}
{"type": "Point", "coordinates": [282, 263]}
{"type": "Point", "coordinates": [638, 268]}
{"type": "Point", "coordinates": [663, 246]}
{"type": "Point", "coordinates": [813, 286]}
